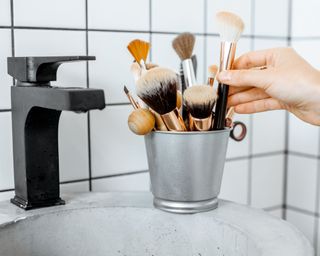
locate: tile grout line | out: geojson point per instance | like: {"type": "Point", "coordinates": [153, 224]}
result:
{"type": "Point", "coordinates": [12, 34]}
{"type": "Point", "coordinates": [205, 40]}
{"type": "Point", "coordinates": [317, 198]}
{"type": "Point", "coordinates": [88, 85]}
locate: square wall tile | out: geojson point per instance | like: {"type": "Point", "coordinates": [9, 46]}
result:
{"type": "Point", "coordinates": [268, 132]}
{"type": "Point", "coordinates": [262, 44]}
{"type": "Point", "coordinates": [240, 148]}
{"type": "Point", "coordinates": [309, 50]}
{"type": "Point", "coordinates": [275, 26]}
{"type": "Point", "coordinates": [305, 18]}
{"type": "Point", "coordinates": [120, 14]}
{"type": "Point", "coordinates": [213, 49]}
{"type": "Point", "coordinates": [74, 187]}
{"type": "Point", "coordinates": [6, 153]}
{"type": "Point", "coordinates": [5, 13]}
{"type": "Point", "coordinates": [115, 149]}
{"type": "Point", "coordinates": [267, 181]}
{"type": "Point", "coordinates": [164, 55]}
{"type": "Point", "coordinates": [55, 43]}
{"type": "Point", "coordinates": [6, 196]}
{"type": "Point", "coordinates": [134, 182]}
{"type": "Point", "coordinates": [235, 181]}
{"type": "Point", "coordinates": [111, 70]}
{"type": "Point", "coordinates": [73, 146]}
{"type": "Point", "coordinates": [47, 13]}
{"type": "Point", "coordinates": [178, 16]}
{"type": "Point", "coordinates": [5, 79]}
{"type": "Point", "coordinates": [305, 223]}
{"type": "Point", "coordinates": [302, 182]}
{"type": "Point", "coordinates": [241, 8]}
{"type": "Point", "coordinates": [303, 137]}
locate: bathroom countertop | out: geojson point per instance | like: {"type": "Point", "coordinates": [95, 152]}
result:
{"type": "Point", "coordinates": [271, 235]}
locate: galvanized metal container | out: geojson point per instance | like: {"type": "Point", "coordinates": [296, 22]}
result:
{"type": "Point", "coordinates": [186, 169]}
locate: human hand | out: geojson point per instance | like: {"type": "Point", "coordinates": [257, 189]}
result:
{"type": "Point", "coordinates": [287, 82]}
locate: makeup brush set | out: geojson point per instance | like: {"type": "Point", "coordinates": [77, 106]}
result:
{"type": "Point", "coordinates": [168, 101]}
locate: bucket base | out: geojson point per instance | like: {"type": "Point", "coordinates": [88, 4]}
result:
{"type": "Point", "coordinates": [185, 207]}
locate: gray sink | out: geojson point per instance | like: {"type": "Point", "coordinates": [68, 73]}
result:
{"type": "Point", "coordinates": [127, 224]}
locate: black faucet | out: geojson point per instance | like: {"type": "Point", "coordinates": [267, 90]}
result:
{"type": "Point", "coordinates": [36, 109]}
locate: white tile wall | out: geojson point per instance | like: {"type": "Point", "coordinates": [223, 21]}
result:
{"type": "Point", "coordinates": [6, 80]}
{"type": "Point", "coordinates": [5, 19]}
{"type": "Point", "coordinates": [74, 187]}
{"type": "Point", "coordinates": [135, 182]}
{"type": "Point", "coordinates": [303, 222]}
{"type": "Point", "coordinates": [73, 146]}
{"type": "Point", "coordinates": [111, 70]}
{"type": "Point", "coordinates": [268, 132]}
{"type": "Point", "coordinates": [6, 157]}
{"type": "Point", "coordinates": [235, 182]}
{"type": "Point", "coordinates": [120, 14]}
{"type": "Point", "coordinates": [275, 26]}
{"type": "Point", "coordinates": [305, 18]}
{"type": "Point", "coordinates": [267, 181]}
{"type": "Point", "coordinates": [164, 55]}
{"type": "Point", "coordinates": [56, 43]}
{"type": "Point", "coordinates": [261, 44]}
{"type": "Point", "coordinates": [47, 13]}
{"type": "Point", "coordinates": [115, 149]}
{"type": "Point", "coordinates": [309, 49]}
{"type": "Point", "coordinates": [189, 13]}
{"type": "Point", "coordinates": [302, 179]}
{"type": "Point", "coordinates": [303, 137]}
{"type": "Point", "coordinates": [242, 8]}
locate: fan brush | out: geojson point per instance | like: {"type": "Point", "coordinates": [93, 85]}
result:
{"type": "Point", "coordinates": [139, 49]}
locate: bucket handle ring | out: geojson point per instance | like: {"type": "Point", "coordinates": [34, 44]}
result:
{"type": "Point", "coordinates": [243, 131]}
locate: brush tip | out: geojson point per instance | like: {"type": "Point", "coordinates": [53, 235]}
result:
{"type": "Point", "coordinates": [230, 26]}
{"type": "Point", "coordinates": [125, 89]}
{"type": "Point", "coordinates": [183, 45]}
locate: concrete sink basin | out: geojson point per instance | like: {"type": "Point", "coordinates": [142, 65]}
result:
{"type": "Point", "coordinates": [127, 224]}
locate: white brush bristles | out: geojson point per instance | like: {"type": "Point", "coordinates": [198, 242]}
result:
{"type": "Point", "coordinates": [154, 79]}
{"type": "Point", "coordinates": [200, 94]}
{"type": "Point", "coordinates": [230, 26]}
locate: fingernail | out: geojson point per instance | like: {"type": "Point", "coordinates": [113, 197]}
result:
{"type": "Point", "coordinates": [224, 76]}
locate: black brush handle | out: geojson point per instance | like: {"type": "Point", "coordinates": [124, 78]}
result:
{"type": "Point", "coordinates": [221, 107]}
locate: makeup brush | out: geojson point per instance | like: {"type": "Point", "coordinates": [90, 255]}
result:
{"type": "Point", "coordinates": [200, 100]}
{"type": "Point", "coordinates": [141, 121]}
{"type": "Point", "coordinates": [212, 71]}
{"type": "Point", "coordinates": [134, 103]}
{"type": "Point", "coordinates": [229, 117]}
{"type": "Point", "coordinates": [139, 49]}
{"type": "Point", "coordinates": [183, 45]}
{"type": "Point", "coordinates": [230, 27]}
{"type": "Point", "coordinates": [158, 89]}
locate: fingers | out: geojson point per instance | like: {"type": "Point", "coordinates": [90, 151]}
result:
{"type": "Point", "coordinates": [258, 106]}
{"type": "Point", "coordinates": [253, 94]}
{"type": "Point", "coordinates": [252, 59]}
{"type": "Point", "coordinates": [234, 90]}
{"type": "Point", "coordinates": [255, 78]}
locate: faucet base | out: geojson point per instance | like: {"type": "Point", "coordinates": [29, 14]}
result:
{"type": "Point", "coordinates": [28, 206]}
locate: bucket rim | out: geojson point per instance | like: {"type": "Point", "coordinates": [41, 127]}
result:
{"type": "Point", "coordinates": [225, 130]}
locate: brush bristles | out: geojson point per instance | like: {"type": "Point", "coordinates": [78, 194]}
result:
{"type": "Point", "coordinates": [158, 89]}
{"type": "Point", "coordinates": [139, 49]}
{"type": "Point", "coordinates": [212, 70]}
{"type": "Point", "coordinates": [200, 100]}
{"type": "Point", "coordinates": [230, 26]}
{"type": "Point", "coordinates": [183, 45]}
{"type": "Point", "coordinates": [135, 70]}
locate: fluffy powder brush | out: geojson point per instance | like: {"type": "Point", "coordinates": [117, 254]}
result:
{"type": "Point", "coordinates": [200, 100]}
{"type": "Point", "coordinates": [158, 89]}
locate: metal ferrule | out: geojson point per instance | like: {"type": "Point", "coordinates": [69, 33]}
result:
{"type": "Point", "coordinates": [227, 54]}
{"type": "Point", "coordinates": [196, 124]}
{"type": "Point", "coordinates": [188, 70]}
{"type": "Point", "coordinates": [174, 121]}
{"type": "Point", "coordinates": [210, 81]}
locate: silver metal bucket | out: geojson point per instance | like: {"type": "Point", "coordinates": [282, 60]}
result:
{"type": "Point", "coordinates": [186, 169]}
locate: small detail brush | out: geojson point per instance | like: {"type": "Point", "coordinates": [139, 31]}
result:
{"type": "Point", "coordinates": [212, 71]}
{"type": "Point", "coordinates": [200, 100]}
{"type": "Point", "coordinates": [183, 45]}
{"type": "Point", "coordinates": [230, 27]}
{"type": "Point", "coordinates": [158, 89]}
{"type": "Point", "coordinates": [134, 103]}
{"type": "Point", "coordinates": [141, 121]}
{"type": "Point", "coordinates": [139, 49]}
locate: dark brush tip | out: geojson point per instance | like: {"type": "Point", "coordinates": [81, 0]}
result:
{"type": "Point", "coordinates": [125, 89]}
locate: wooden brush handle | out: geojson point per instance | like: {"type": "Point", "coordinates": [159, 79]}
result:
{"type": "Point", "coordinates": [141, 121]}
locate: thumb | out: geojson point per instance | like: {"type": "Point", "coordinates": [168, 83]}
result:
{"type": "Point", "coordinates": [246, 77]}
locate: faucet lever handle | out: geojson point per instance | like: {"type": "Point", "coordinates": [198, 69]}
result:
{"type": "Point", "coordinates": [39, 69]}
